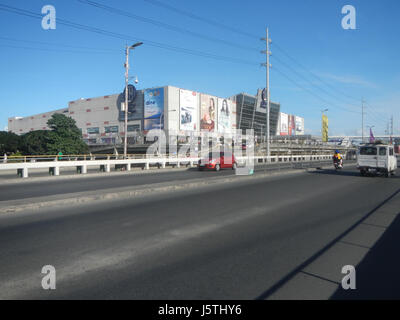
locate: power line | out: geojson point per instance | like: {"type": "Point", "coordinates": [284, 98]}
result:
{"type": "Point", "coordinates": [304, 78]}
{"type": "Point", "coordinates": [163, 25]}
{"type": "Point", "coordinates": [313, 74]}
{"type": "Point", "coordinates": [238, 31]}
{"type": "Point", "coordinates": [199, 18]}
{"type": "Point", "coordinates": [54, 49]}
{"type": "Point", "coordinates": [311, 92]}
{"type": "Point", "coordinates": [58, 45]}
{"type": "Point", "coordinates": [126, 37]}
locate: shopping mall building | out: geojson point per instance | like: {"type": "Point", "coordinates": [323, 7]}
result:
{"type": "Point", "coordinates": [173, 109]}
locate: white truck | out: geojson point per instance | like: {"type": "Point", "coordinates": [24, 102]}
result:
{"type": "Point", "coordinates": [376, 158]}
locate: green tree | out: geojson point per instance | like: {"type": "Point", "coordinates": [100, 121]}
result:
{"type": "Point", "coordinates": [10, 143]}
{"type": "Point", "coordinates": [65, 136]}
{"type": "Point", "coordinates": [35, 142]}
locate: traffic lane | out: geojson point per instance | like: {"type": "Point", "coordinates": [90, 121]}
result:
{"type": "Point", "coordinates": [33, 189]}
{"type": "Point", "coordinates": [177, 247]}
{"type": "Point", "coordinates": [87, 183]}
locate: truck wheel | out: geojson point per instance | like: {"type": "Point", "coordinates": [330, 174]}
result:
{"type": "Point", "coordinates": [362, 172]}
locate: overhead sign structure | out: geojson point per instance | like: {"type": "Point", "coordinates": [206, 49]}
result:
{"type": "Point", "coordinates": [153, 109]}
{"type": "Point", "coordinates": [324, 128]}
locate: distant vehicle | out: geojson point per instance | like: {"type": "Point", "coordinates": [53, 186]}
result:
{"type": "Point", "coordinates": [225, 160]}
{"type": "Point", "coordinates": [338, 165]}
{"type": "Point", "coordinates": [376, 158]}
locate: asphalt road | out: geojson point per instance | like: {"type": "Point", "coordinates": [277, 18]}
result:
{"type": "Point", "coordinates": [234, 242]}
{"type": "Point", "coordinates": [55, 186]}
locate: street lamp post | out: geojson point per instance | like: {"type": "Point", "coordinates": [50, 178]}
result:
{"type": "Point", "coordinates": [126, 93]}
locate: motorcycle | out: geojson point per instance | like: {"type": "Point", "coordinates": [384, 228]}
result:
{"type": "Point", "coordinates": [338, 164]}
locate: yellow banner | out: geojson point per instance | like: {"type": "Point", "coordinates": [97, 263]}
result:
{"type": "Point", "coordinates": [324, 128]}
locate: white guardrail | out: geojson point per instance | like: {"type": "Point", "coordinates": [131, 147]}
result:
{"type": "Point", "coordinates": [105, 164]}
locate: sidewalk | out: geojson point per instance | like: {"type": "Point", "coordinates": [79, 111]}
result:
{"type": "Point", "coordinates": [372, 246]}
{"type": "Point", "coordinates": [378, 274]}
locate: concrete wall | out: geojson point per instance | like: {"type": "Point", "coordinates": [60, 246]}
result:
{"type": "Point", "coordinates": [21, 125]}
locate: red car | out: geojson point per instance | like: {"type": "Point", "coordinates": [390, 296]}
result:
{"type": "Point", "coordinates": [225, 160]}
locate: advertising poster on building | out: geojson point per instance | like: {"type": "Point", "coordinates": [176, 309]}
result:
{"type": "Point", "coordinates": [233, 116]}
{"type": "Point", "coordinates": [224, 115]}
{"type": "Point", "coordinates": [188, 110]}
{"type": "Point", "coordinates": [324, 128]}
{"type": "Point", "coordinates": [283, 123]}
{"type": "Point", "coordinates": [208, 112]}
{"type": "Point", "coordinates": [261, 104]}
{"type": "Point", "coordinates": [299, 126]}
{"type": "Point", "coordinates": [153, 109]}
{"type": "Point", "coordinates": [292, 125]}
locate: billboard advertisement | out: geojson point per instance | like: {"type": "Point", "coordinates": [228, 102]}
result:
{"type": "Point", "coordinates": [224, 115]}
{"type": "Point", "coordinates": [233, 116]}
{"type": "Point", "coordinates": [208, 112]}
{"type": "Point", "coordinates": [153, 109]}
{"type": "Point", "coordinates": [299, 126]}
{"type": "Point", "coordinates": [188, 110]}
{"type": "Point", "coordinates": [291, 125]}
{"type": "Point", "coordinates": [324, 128]}
{"type": "Point", "coordinates": [261, 100]}
{"type": "Point", "coordinates": [283, 124]}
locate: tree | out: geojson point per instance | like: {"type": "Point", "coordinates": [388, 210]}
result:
{"type": "Point", "coordinates": [10, 143]}
{"type": "Point", "coordinates": [65, 136]}
{"type": "Point", "coordinates": [35, 142]}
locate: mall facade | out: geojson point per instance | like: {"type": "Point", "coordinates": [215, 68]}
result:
{"type": "Point", "coordinates": [175, 110]}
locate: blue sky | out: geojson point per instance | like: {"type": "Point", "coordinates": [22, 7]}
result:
{"type": "Point", "coordinates": [42, 70]}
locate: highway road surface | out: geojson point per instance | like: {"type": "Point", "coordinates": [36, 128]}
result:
{"type": "Point", "coordinates": [31, 188]}
{"type": "Point", "coordinates": [279, 237]}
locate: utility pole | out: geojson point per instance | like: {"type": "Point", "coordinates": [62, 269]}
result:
{"type": "Point", "coordinates": [126, 101]}
{"type": "Point", "coordinates": [362, 120]}
{"type": "Point", "coordinates": [267, 65]}
{"type": "Point", "coordinates": [391, 128]}
{"type": "Point", "coordinates": [126, 94]}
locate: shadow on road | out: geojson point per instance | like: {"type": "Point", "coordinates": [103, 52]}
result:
{"type": "Point", "coordinates": [378, 274]}
{"type": "Point", "coordinates": [349, 173]}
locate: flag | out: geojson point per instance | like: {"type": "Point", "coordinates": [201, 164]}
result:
{"type": "Point", "coordinates": [371, 136]}
{"type": "Point", "coordinates": [324, 128]}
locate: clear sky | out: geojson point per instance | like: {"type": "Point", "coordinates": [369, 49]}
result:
{"type": "Point", "coordinates": [316, 64]}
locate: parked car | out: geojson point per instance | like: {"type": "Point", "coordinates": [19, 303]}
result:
{"type": "Point", "coordinates": [223, 161]}
{"type": "Point", "coordinates": [376, 158]}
